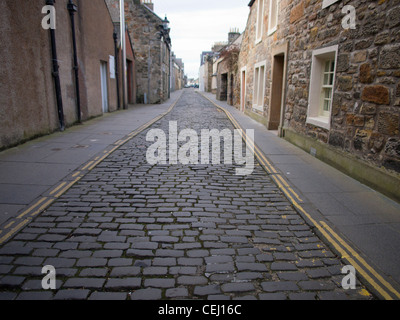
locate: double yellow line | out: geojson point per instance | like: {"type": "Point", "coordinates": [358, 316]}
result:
{"type": "Point", "coordinates": [43, 203]}
{"type": "Point", "coordinates": [347, 253]}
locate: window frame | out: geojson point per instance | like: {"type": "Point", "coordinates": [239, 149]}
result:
{"type": "Point", "coordinates": [315, 114]}
{"type": "Point", "coordinates": [327, 3]}
{"type": "Point", "coordinates": [257, 86]}
{"type": "Point", "coordinates": [260, 20]}
{"type": "Point", "coordinates": [272, 29]}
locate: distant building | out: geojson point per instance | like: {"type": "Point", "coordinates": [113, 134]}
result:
{"type": "Point", "coordinates": [206, 71]}
{"type": "Point", "coordinates": [227, 68]}
{"type": "Point", "coordinates": [177, 73]}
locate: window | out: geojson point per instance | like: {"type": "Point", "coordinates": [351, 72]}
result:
{"type": "Point", "coordinates": [273, 16]}
{"type": "Point", "coordinates": [327, 88]}
{"type": "Point", "coordinates": [260, 20]}
{"type": "Point", "coordinates": [322, 83]}
{"type": "Point", "coordinates": [327, 3]}
{"type": "Point", "coordinates": [259, 86]}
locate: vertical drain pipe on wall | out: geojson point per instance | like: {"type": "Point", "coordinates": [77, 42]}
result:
{"type": "Point", "coordinates": [72, 8]}
{"type": "Point", "coordinates": [56, 74]}
{"type": "Point", "coordinates": [115, 36]}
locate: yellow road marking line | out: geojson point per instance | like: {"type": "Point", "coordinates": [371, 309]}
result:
{"type": "Point", "coordinates": [15, 229]}
{"type": "Point", "coordinates": [31, 208]}
{"type": "Point", "coordinates": [69, 185]}
{"type": "Point", "coordinates": [58, 188]}
{"type": "Point", "coordinates": [76, 174]}
{"type": "Point", "coordinates": [9, 225]}
{"type": "Point", "coordinates": [44, 206]}
{"type": "Point", "coordinates": [356, 255]}
{"type": "Point", "coordinates": [87, 165]}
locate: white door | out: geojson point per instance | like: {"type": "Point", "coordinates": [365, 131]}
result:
{"type": "Point", "coordinates": [104, 89]}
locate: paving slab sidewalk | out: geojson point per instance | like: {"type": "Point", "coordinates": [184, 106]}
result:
{"type": "Point", "coordinates": [31, 169]}
{"type": "Point", "coordinates": [368, 220]}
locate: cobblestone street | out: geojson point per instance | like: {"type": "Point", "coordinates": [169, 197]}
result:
{"type": "Point", "coordinates": [131, 230]}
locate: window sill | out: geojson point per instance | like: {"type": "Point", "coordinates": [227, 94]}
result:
{"type": "Point", "coordinates": [258, 108]}
{"type": "Point", "coordinates": [322, 122]}
{"type": "Point", "coordinates": [272, 31]}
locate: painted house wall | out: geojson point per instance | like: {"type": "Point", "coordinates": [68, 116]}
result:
{"type": "Point", "coordinates": [27, 96]}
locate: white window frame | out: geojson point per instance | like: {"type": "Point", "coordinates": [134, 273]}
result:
{"type": "Point", "coordinates": [259, 85]}
{"type": "Point", "coordinates": [315, 115]}
{"type": "Point", "coordinates": [259, 20]}
{"type": "Point", "coordinates": [271, 28]}
{"type": "Point", "coordinates": [327, 3]}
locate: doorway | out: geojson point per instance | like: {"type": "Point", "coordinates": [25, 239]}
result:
{"type": "Point", "coordinates": [224, 87]}
{"type": "Point", "coordinates": [278, 70]}
{"type": "Point", "coordinates": [129, 66]}
{"type": "Point", "coordinates": [104, 87]}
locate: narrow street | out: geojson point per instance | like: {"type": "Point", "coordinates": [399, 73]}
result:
{"type": "Point", "coordinates": [128, 230]}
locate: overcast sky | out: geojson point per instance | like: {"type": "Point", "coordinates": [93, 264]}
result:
{"type": "Point", "coordinates": [197, 25]}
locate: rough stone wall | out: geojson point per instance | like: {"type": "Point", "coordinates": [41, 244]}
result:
{"type": "Point", "coordinates": [143, 26]}
{"type": "Point", "coordinates": [365, 116]}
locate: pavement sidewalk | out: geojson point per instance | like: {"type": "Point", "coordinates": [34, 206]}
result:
{"type": "Point", "coordinates": [367, 220]}
{"type": "Point", "coordinates": [30, 170]}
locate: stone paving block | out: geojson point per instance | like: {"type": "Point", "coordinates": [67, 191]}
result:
{"type": "Point", "coordinates": [11, 281]}
{"type": "Point", "coordinates": [86, 283]}
{"type": "Point", "coordinates": [35, 296]}
{"type": "Point", "coordinates": [72, 294]}
{"type": "Point", "coordinates": [276, 286]}
{"type": "Point", "coordinates": [283, 266]}
{"type": "Point", "coordinates": [91, 262]}
{"type": "Point", "coordinates": [108, 296]}
{"type": "Point", "coordinates": [154, 271]}
{"type": "Point", "coordinates": [159, 283]}
{"type": "Point", "coordinates": [146, 294]}
{"type": "Point", "coordinates": [237, 287]}
{"type": "Point", "coordinates": [314, 285]}
{"type": "Point", "coordinates": [94, 272]}
{"type": "Point", "coordinates": [125, 271]}
{"type": "Point", "coordinates": [123, 284]}
{"type": "Point", "coordinates": [177, 293]}
{"type": "Point", "coordinates": [192, 280]}
{"type": "Point", "coordinates": [207, 290]}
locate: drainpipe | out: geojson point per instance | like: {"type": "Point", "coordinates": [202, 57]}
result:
{"type": "Point", "coordinates": [115, 36]}
{"type": "Point", "coordinates": [72, 8]}
{"type": "Point", "coordinates": [56, 74]}
{"type": "Point", "coordinates": [123, 48]}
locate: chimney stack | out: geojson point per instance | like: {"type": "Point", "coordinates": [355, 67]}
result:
{"type": "Point", "coordinates": [233, 35]}
{"type": "Point", "coordinates": [149, 4]}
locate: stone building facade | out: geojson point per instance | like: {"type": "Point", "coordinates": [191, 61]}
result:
{"type": "Point", "coordinates": [152, 46]}
{"type": "Point", "coordinates": [326, 75]}
{"type": "Point", "coordinates": [227, 68]}
{"type": "Point", "coordinates": [28, 99]}
{"type": "Point", "coordinates": [177, 73]}
{"type": "Point", "coordinates": [206, 70]}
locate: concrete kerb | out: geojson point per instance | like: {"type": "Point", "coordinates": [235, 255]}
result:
{"type": "Point", "coordinates": [14, 225]}
{"type": "Point", "coordinates": [380, 285]}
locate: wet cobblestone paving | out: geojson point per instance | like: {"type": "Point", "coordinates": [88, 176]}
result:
{"type": "Point", "coordinates": [130, 230]}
